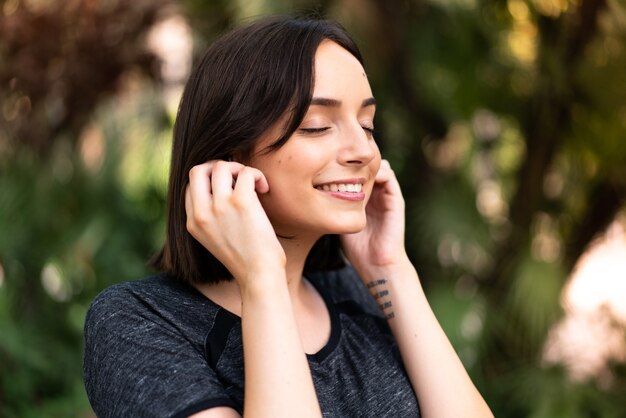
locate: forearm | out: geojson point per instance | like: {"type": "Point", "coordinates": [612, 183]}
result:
{"type": "Point", "coordinates": [439, 379]}
{"type": "Point", "coordinates": [278, 381]}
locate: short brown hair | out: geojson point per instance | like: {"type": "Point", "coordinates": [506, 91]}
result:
{"type": "Point", "coordinates": [245, 82]}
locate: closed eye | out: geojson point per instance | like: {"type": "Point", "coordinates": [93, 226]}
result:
{"type": "Point", "coordinates": [370, 131]}
{"type": "Point", "coordinates": [314, 130]}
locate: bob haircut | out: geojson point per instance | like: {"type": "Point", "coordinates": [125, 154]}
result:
{"type": "Point", "coordinates": [247, 80]}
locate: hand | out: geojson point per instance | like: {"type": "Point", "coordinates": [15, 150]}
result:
{"type": "Point", "coordinates": [224, 214]}
{"type": "Point", "coordinates": [381, 242]}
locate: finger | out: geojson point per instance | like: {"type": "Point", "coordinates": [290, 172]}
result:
{"type": "Point", "coordinates": [199, 188]}
{"type": "Point", "coordinates": [188, 203]}
{"type": "Point", "coordinates": [192, 222]}
{"type": "Point", "coordinates": [384, 171]}
{"type": "Point", "coordinates": [387, 178]}
{"type": "Point", "coordinates": [251, 179]}
{"type": "Point", "coordinates": [222, 177]}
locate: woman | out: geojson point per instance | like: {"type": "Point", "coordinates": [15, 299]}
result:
{"type": "Point", "coordinates": [274, 171]}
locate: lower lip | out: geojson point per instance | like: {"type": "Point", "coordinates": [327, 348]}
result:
{"type": "Point", "coordinates": [352, 197]}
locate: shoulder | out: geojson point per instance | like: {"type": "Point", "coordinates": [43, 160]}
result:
{"type": "Point", "coordinates": [157, 300]}
{"type": "Point", "coordinates": [133, 295]}
{"type": "Point", "coordinates": [144, 350]}
{"type": "Point", "coordinates": [129, 292]}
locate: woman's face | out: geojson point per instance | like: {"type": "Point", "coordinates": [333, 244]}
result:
{"type": "Point", "coordinates": [322, 177]}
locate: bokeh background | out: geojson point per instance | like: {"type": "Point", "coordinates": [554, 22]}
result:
{"type": "Point", "coordinates": [505, 121]}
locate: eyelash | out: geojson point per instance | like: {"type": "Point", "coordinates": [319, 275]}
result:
{"type": "Point", "coordinates": [370, 131]}
{"type": "Point", "coordinates": [313, 130]}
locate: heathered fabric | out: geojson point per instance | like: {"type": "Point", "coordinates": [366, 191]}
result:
{"type": "Point", "coordinates": [159, 348]}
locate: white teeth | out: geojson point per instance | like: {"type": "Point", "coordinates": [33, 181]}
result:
{"type": "Point", "coordinates": [350, 188]}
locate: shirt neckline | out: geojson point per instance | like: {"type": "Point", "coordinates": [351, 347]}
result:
{"type": "Point", "coordinates": [333, 313]}
{"type": "Point", "coordinates": [335, 325]}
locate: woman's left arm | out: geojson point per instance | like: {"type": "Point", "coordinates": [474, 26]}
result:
{"type": "Point", "coordinates": [441, 383]}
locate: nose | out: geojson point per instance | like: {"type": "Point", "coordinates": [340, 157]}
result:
{"type": "Point", "coordinates": [358, 147]}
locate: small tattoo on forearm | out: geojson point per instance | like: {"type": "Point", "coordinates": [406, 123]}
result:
{"type": "Point", "coordinates": [375, 283]}
{"type": "Point", "coordinates": [385, 305]}
{"type": "Point", "coordinates": [379, 293]}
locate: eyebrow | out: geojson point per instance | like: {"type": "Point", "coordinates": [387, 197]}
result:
{"type": "Point", "coordinates": [324, 101]}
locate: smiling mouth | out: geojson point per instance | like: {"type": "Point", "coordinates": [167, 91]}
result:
{"type": "Point", "coordinates": [341, 187]}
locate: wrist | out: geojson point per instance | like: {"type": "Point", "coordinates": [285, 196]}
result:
{"type": "Point", "coordinates": [397, 270]}
{"type": "Point", "coordinates": [258, 282]}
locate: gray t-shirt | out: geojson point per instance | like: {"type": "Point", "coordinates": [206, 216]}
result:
{"type": "Point", "coordinates": [159, 348]}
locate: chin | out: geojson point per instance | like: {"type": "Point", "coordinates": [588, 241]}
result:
{"type": "Point", "coordinates": [351, 231]}
{"type": "Point", "coordinates": [351, 228]}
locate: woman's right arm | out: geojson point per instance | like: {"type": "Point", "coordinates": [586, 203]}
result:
{"type": "Point", "coordinates": [230, 222]}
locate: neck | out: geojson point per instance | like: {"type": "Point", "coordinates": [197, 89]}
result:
{"type": "Point", "coordinates": [296, 250]}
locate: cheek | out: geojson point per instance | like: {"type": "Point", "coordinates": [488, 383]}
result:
{"type": "Point", "coordinates": [285, 181]}
{"type": "Point", "coordinates": [374, 166]}
{"type": "Point", "coordinates": [375, 163]}
{"type": "Point", "coordinates": [286, 175]}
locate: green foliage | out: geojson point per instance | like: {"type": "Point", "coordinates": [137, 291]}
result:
{"type": "Point", "coordinates": [67, 233]}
